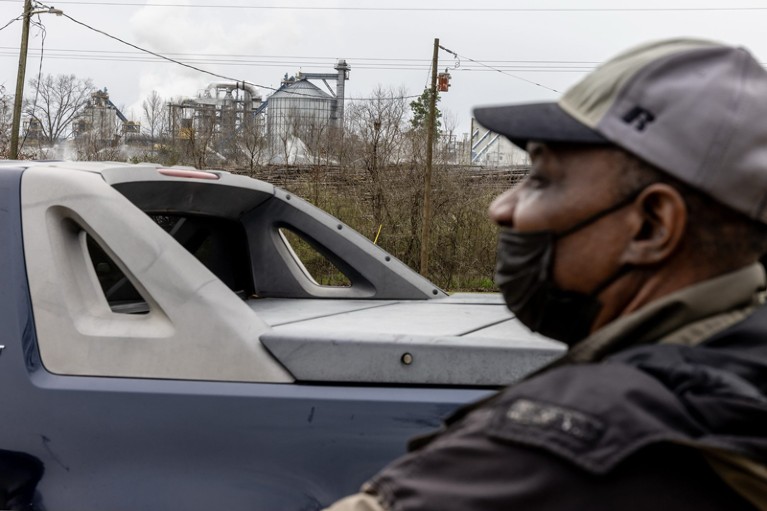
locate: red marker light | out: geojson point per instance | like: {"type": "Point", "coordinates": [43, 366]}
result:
{"type": "Point", "coordinates": [192, 174]}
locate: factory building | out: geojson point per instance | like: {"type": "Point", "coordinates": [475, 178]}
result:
{"type": "Point", "coordinates": [291, 121]}
{"type": "Point", "coordinates": [221, 112]}
{"type": "Point", "coordinates": [101, 119]}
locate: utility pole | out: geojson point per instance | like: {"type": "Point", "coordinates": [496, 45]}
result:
{"type": "Point", "coordinates": [430, 128]}
{"type": "Point", "coordinates": [17, 99]}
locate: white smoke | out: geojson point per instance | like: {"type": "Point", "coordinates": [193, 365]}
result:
{"type": "Point", "coordinates": [189, 34]}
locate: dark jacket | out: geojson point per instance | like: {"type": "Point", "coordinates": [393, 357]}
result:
{"type": "Point", "coordinates": [657, 426]}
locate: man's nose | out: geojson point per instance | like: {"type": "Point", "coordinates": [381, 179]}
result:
{"type": "Point", "coordinates": [501, 210]}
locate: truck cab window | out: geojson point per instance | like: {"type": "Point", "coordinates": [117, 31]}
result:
{"type": "Point", "coordinates": [217, 243]}
{"type": "Point", "coordinates": [220, 244]}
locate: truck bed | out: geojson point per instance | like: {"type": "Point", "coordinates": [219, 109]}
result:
{"type": "Point", "coordinates": [464, 339]}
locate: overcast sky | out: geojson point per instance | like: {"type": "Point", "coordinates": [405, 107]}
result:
{"type": "Point", "coordinates": [504, 44]}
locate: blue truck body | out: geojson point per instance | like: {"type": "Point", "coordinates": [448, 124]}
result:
{"type": "Point", "coordinates": [116, 442]}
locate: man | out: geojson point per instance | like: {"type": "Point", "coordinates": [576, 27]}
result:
{"type": "Point", "coordinates": [635, 240]}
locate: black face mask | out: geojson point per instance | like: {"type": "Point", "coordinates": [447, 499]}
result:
{"type": "Point", "coordinates": [523, 274]}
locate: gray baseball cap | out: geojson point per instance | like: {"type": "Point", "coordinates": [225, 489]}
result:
{"type": "Point", "coordinates": [695, 109]}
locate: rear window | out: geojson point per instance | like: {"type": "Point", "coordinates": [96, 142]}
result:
{"type": "Point", "coordinates": [219, 244]}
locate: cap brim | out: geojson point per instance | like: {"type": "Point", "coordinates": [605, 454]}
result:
{"type": "Point", "coordinates": [544, 122]}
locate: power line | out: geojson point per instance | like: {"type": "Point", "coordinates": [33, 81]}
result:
{"type": "Point", "coordinates": [498, 70]}
{"type": "Point", "coordinates": [305, 57]}
{"type": "Point", "coordinates": [302, 59]}
{"type": "Point", "coordinates": [189, 66]}
{"type": "Point", "coordinates": [9, 23]}
{"type": "Point", "coordinates": [390, 64]}
{"type": "Point", "coordinates": [150, 52]}
{"type": "Point", "coordinates": [38, 23]}
{"type": "Point", "coordinates": [411, 9]}
{"type": "Point", "coordinates": [299, 61]}
{"type": "Point", "coordinates": [382, 67]}
{"type": "Point", "coordinates": [195, 68]}
{"type": "Point", "coordinates": [52, 55]}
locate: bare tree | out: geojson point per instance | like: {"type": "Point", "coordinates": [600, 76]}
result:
{"type": "Point", "coordinates": [201, 136]}
{"type": "Point", "coordinates": [446, 149]}
{"type": "Point", "coordinates": [253, 142]}
{"type": "Point", "coordinates": [287, 146]}
{"type": "Point", "coordinates": [379, 124]}
{"type": "Point", "coordinates": [6, 117]}
{"type": "Point", "coordinates": [316, 140]}
{"type": "Point", "coordinates": [58, 100]}
{"type": "Point", "coordinates": [154, 110]}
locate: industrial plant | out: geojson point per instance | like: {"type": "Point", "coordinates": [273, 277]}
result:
{"type": "Point", "coordinates": [288, 122]}
{"type": "Point", "coordinates": [225, 116]}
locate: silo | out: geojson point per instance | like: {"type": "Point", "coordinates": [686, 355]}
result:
{"type": "Point", "coordinates": [299, 114]}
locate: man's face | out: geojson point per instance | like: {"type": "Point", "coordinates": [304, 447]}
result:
{"type": "Point", "coordinates": [568, 184]}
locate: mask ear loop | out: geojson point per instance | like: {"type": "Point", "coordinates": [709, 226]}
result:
{"type": "Point", "coordinates": [624, 268]}
{"type": "Point", "coordinates": [590, 220]}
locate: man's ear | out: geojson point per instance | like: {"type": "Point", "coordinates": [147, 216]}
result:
{"type": "Point", "coordinates": [659, 218]}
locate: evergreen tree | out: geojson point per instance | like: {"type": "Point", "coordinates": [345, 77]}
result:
{"type": "Point", "coordinates": [420, 110]}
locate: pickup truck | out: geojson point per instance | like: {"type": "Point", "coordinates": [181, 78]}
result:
{"type": "Point", "coordinates": [163, 346]}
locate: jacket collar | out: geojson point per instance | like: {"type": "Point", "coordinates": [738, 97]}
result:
{"type": "Point", "coordinates": [687, 316]}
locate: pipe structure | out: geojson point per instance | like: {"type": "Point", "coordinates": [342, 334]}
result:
{"type": "Point", "coordinates": [252, 91]}
{"type": "Point", "coordinates": [343, 74]}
